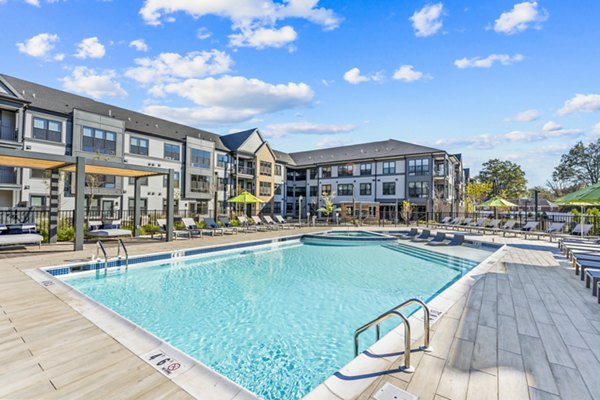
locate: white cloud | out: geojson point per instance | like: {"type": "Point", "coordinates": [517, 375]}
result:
{"type": "Point", "coordinates": [354, 77]}
{"type": "Point", "coordinates": [263, 37]}
{"type": "Point", "coordinates": [427, 21]}
{"type": "Point", "coordinates": [489, 141]}
{"type": "Point", "coordinates": [525, 116]}
{"type": "Point", "coordinates": [93, 83]}
{"type": "Point", "coordinates": [407, 73]}
{"type": "Point", "coordinates": [478, 62]}
{"type": "Point", "coordinates": [90, 48]}
{"type": "Point", "coordinates": [596, 129]}
{"type": "Point", "coordinates": [521, 17]}
{"type": "Point", "coordinates": [171, 66]}
{"type": "Point", "coordinates": [551, 126]}
{"type": "Point", "coordinates": [581, 103]}
{"type": "Point", "coordinates": [203, 33]}
{"type": "Point", "coordinates": [139, 45]}
{"type": "Point", "coordinates": [306, 128]}
{"type": "Point", "coordinates": [332, 142]}
{"type": "Point", "coordinates": [229, 99]}
{"type": "Point", "coordinates": [35, 3]}
{"type": "Point", "coordinates": [39, 45]}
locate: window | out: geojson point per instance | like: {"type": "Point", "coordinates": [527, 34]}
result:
{"type": "Point", "coordinates": [46, 129]}
{"type": "Point", "coordinates": [365, 169]}
{"type": "Point", "coordinates": [346, 170]}
{"type": "Point", "coordinates": [278, 170]}
{"type": "Point", "coordinates": [278, 189]}
{"type": "Point", "coordinates": [143, 181]}
{"type": "Point", "coordinates": [326, 190]}
{"type": "Point", "coordinates": [418, 189]}
{"type": "Point", "coordinates": [138, 146]}
{"type": "Point", "coordinates": [143, 204]}
{"type": "Point", "coordinates": [40, 174]}
{"type": "Point", "coordinates": [389, 188]}
{"type": "Point", "coordinates": [101, 181]}
{"type": "Point", "coordinates": [199, 184]}
{"type": "Point", "coordinates": [266, 168]}
{"type": "Point", "coordinates": [277, 208]}
{"type": "Point", "coordinates": [200, 159]}
{"type": "Point", "coordinates": [37, 201]}
{"type": "Point", "coordinates": [289, 208]}
{"type": "Point", "coordinates": [325, 172]}
{"type": "Point", "coordinates": [266, 208]}
{"type": "Point", "coordinates": [312, 173]}
{"type": "Point", "coordinates": [346, 189]}
{"type": "Point", "coordinates": [222, 160]}
{"type": "Point", "coordinates": [418, 167]}
{"type": "Point", "coordinates": [389, 167]}
{"type": "Point", "coordinates": [300, 191]}
{"type": "Point", "coordinates": [365, 189]}
{"type": "Point", "coordinates": [220, 183]}
{"type": "Point", "coordinates": [314, 191]}
{"type": "Point", "coordinates": [301, 175]}
{"type": "Point", "coordinates": [291, 175]}
{"type": "Point", "coordinates": [172, 152]}
{"type": "Point", "coordinates": [99, 141]}
{"type": "Point", "coordinates": [290, 191]}
{"type": "Point", "coordinates": [264, 188]}
{"type": "Point", "coordinates": [175, 180]}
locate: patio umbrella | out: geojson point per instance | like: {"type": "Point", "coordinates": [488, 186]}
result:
{"type": "Point", "coordinates": [497, 202]}
{"type": "Point", "coordinates": [245, 198]}
{"type": "Point", "coordinates": [586, 197]}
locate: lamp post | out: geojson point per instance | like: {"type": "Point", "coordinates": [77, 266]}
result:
{"type": "Point", "coordinates": [216, 194]}
{"type": "Point", "coordinates": [300, 210]}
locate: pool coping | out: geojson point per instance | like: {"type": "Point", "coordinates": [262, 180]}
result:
{"type": "Point", "coordinates": [355, 377]}
{"type": "Point", "coordinates": [196, 378]}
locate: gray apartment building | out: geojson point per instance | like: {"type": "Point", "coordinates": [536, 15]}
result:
{"type": "Point", "coordinates": [210, 168]}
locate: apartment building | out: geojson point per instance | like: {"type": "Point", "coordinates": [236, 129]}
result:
{"type": "Point", "coordinates": [210, 168]}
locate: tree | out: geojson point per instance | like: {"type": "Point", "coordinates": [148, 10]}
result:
{"type": "Point", "coordinates": [406, 211]}
{"type": "Point", "coordinates": [328, 207]}
{"type": "Point", "coordinates": [476, 193]}
{"type": "Point", "coordinates": [506, 178]}
{"type": "Point", "coordinates": [579, 167]}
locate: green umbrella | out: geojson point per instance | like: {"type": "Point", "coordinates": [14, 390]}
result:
{"type": "Point", "coordinates": [497, 202]}
{"type": "Point", "coordinates": [586, 197]}
{"type": "Point", "coordinates": [246, 198]}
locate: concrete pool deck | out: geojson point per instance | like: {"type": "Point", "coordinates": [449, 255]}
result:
{"type": "Point", "coordinates": [528, 326]}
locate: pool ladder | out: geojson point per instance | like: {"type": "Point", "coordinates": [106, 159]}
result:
{"type": "Point", "coordinates": [395, 312]}
{"type": "Point", "coordinates": [100, 247]}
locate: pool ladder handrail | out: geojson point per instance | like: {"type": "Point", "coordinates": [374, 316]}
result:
{"type": "Point", "coordinates": [119, 245]}
{"type": "Point", "coordinates": [99, 247]}
{"type": "Point", "coordinates": [407, 332]}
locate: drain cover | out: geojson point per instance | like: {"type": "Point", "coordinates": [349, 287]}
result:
{"type": "Point", "coordinates": [391, 392]}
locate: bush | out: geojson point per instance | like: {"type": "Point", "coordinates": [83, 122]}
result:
{"type": "Point", "coordinates": [44, 233]}
{"type": "Point", "coordinates": [149, 229]}
{"type": "Point", "coordinates": [66, 234]}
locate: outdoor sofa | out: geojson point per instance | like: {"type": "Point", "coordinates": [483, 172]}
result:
{"type": "Point", "coordinates": [11, 235]}
{"type": "Point", "coordinates": [105, 230]}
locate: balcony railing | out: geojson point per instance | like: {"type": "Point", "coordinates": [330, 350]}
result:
{"type": "Point", "coordinates": [245, 170]}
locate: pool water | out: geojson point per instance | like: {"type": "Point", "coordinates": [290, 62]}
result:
{"type": "Point", "coordinates": [279, 320]}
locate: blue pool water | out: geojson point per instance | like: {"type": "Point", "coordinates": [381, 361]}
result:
{"type": "Point", "coordinates": [278, 321]}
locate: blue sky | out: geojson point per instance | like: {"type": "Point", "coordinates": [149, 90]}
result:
{"type": "Point", "coordinates": [514, 80]}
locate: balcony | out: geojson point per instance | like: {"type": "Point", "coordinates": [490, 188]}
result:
{"type": "Point", "coordinates": [244, 170]}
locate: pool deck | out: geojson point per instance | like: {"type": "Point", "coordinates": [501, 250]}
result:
{"type": "Point", "coordinates": [527, 329]}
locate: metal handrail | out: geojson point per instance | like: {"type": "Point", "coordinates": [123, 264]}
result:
{"type": "Point", "coordinates": [407, 332]}
{"type": "Point", "coordinates": [100, 246]}
{"type": "Point", "coordinates": [122, 244]}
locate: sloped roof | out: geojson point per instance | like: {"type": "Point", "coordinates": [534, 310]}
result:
{"type": "Point", "coordinates": [364, 151]}
{"type": "Point", "coordinates": [233, 141]}
{"type": "Point", "coordinates": [282, 157]}
{"type": "Point", "coordinates": [58, 101]}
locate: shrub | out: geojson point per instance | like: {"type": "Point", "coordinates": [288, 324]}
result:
{"type": "Point", "coordinates": [66, 234]}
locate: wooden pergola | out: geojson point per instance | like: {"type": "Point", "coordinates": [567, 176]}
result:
{"type": "Point", "coordinates": [81, 166]}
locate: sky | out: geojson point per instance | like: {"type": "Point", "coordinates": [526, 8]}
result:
{"type": "Point", "coordinates": [514, 80]}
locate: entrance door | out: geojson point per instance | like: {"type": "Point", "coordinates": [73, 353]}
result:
{"type": "Point", "coordinates": [108, 208]}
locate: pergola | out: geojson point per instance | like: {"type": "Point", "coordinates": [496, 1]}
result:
{"type": "Point", "coordinates": [82, 166]}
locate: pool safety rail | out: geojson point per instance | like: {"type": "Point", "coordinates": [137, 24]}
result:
{"type": "Point", "coordinates": [100, 247]}
{"type": "Point", "coordinates": [395, 312]}
{"type": "Point", "coordinates": [120, 245]}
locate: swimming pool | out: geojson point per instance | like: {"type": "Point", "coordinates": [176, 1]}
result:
{"type": "Point", "coordinates": [277, 319]}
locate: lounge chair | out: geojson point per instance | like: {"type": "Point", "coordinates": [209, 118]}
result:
{"type": "Point", "coordinates": [491, 226]}
{"type": "Point", "coordinates": [269, 221]}
{"type": "Point", "coordinates": [555, 227]}
{"type": "Point", "coordinates": [530, 226]}
{"type": "Point", "coordinates": [580, 230]}
{"type": "Point", "coordinates": [466, 221]}
{"type": "Point", "coordinates": [508, 226]}
{"type": "Point", "coordinates": [19, 234]}
{"type": "Point", "coordinates": [410, 234]}
{"type": "Point", "coordinates": [477, 225]}
{"type": "Point", "coordinates": [260, 225]}
{"type": "Point", "coordinates": [457, 240]}
{"type": "Point", "coordinates": [191, 227]}
{"type": "Point", "coordinates": [212, 225]}
{"type": "Point", "coordinates": [592, 277]}
{"type": "Point", "coordinates": [438, 238]}
{"type": "Point", "coordinates": [581, 266]}
{"type": "Point", "coordinates": [423, 237]}
{"type": "Point", "coordinates": [455, 221]}
{"type": "Point", "coordinates": [228, 225]}
{"type": "Point", "coordinates": [98, 229]}
{"type": "Point", "coordinates": [282, 221]}
{"type": "Point", "coordinates": [162, 224]}
{"type": "Point", "coordinates": [445, 220]}
{"type": "Point", "coordinates": [246, 224]}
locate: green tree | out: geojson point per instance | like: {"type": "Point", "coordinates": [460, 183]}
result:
{"type": "Point", "coordinates": [506, 178]}
{"type": "Point", "coordinates": [328, 207]}
{"type": "Point", "coordinates": [406, 211]}
{"type": "Point", "coordinates": [476, 193]}
{"type": "Point", "coordinates": [579, 167]}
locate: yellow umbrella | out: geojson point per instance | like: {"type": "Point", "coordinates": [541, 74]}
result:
{"type": "Point", "coordinates": [245, 198]}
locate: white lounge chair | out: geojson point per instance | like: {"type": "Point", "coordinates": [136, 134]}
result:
{"type": "Point", "coordinates": [96, 229]}
{"type": "Point", "coordinates": [162, 224]}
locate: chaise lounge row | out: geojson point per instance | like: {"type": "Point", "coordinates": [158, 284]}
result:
{"type": "Point", "coordinates": [440, 238]}
{"type": "Point", "coordinates": [584, 255]}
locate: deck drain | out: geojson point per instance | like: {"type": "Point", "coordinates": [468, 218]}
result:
{"type": "Point", "coordinates": [47, 283]}
{"type": "Point", "coordinates": [391, 392]}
